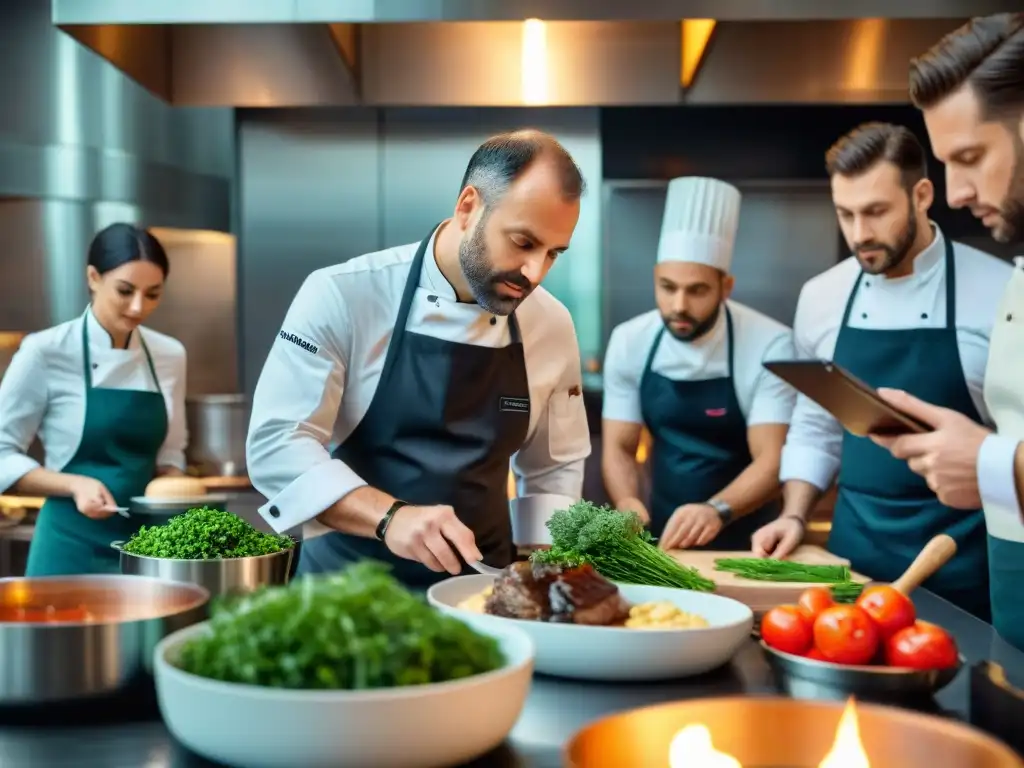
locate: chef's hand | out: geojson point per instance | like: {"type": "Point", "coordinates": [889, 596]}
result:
{"type": "Point", "coordinates": [635, 505]}
{"type": "Point", "coordinates": [946, 458]}
{"type": "Point", "coordinates": [92, 498]}
{"type": "Point", "coordinates": [432, 536]}
{"type": "Point", "coordinates": [779, 538]}
{"type": "Point", "coordinates": [691, 525]}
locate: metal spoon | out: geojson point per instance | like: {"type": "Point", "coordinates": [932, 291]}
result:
{"type": "Point", "coordinates": [486, 570]}
{"type": "Point", "coordinates": [122, 511]}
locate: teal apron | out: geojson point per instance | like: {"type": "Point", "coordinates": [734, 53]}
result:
{"type": "Point", "coordinates": [122, 435]}
{"type": "Point", "coordinates": [885, 513]}
{"type": "Point", "coordinates": [699, 445]}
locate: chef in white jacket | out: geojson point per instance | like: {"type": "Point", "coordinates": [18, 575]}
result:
{"type": "Point", "coordinates": [431, 366]}
{"type": "Point", "coordinates": [970, 87]}
{"type": "Point", "coordinates": [691, 372]}
{"type": "Point", "coordinates": [913, 310]}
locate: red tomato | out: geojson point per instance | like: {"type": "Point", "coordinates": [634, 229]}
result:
{"type": "Point", "coordinates": [846, 635]}
{"type": "Point", "coordinates": [815, 654]}
{"type": "Point", "coordinates": [922, 646]}
{"type": "Point", "coordinates": [889, 608]}
{"type": "Point", "coordinates": [815, 600]}
{"type": "Point", "coordinates": [786, 629]}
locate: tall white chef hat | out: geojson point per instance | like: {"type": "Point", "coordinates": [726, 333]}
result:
{"type": "Point", "coordinates": [700, 222]}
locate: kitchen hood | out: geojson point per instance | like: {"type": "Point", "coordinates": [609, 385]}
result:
{"type": "Point", "coordinates": [210, 61]}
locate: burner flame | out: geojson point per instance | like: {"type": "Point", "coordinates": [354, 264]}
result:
{"type": "Point", "coordinates": [848, 749]}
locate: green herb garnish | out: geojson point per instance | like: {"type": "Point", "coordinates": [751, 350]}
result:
{"type": "Point", "coordinates": [352, 630]}
{"type": "Point", "coordinates": [617, 546]}
{"type": "Point", "coordinates": [838, 577]}
{"type": "Point", "coordinates": [205, 534]}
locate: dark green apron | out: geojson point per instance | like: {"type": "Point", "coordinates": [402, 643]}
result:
{"type": "Point", "coordinates": [122, 435]}
{"type": "Point", "coordinates": [699, 446]}
{"type": "Point", "coordinates": [885, 513]}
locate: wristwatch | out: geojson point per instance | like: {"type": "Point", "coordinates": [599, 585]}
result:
{"type": "Point", "coordinates": [382, 526]}
{"type": "Point", "coordinates": [724, 510]}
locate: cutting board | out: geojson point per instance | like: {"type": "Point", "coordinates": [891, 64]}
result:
{"type": "Point", "coordinates": [759, 595]}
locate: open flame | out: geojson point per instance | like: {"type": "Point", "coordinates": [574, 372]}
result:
{"type": "Point", "coordinates": [692, 747]}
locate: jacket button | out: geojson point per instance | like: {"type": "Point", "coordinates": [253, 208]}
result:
{"type": "Point", "coordinates": [275, 512]}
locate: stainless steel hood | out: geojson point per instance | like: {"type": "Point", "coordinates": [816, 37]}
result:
{"type": "Point", "coordinates": [506, 63]}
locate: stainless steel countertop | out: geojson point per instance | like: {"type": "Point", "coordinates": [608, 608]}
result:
{"type": "Point", "coordinates": [128, 733]}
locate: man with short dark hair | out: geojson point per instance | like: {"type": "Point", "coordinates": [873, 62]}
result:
{"type": "Point", "coordinates": [431, 366]}
{"type": "Point", "coordinates": [911, 310]}
{"type": "Point", "coordinates": [970, 87]}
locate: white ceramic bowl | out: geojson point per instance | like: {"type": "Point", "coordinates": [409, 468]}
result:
{"type": "Point", "coordinates": [619, 653]}
{"type": "Point", "coordinates": [422, 726]}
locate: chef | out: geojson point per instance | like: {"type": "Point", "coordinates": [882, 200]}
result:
{"type": "Point", "coordinates": [106, 397]}
{"type": "Point", "coordinates": [911, 310]}
{"type": "Point", "coordinates": [691, 372]}
{"type": "Point", "coordinates": [431, 366]}
{"type": "Point", "coordinates": [970, 88]}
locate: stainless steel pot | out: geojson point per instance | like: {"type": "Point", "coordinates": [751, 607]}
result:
{"type": "Point", "coordinates": [59, 661]}
{"type": "Point", "coordinates": [229, 575]}
{"type": "Point", "coordinates": [217, 426]}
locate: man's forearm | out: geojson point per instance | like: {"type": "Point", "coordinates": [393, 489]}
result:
{"type": "Point", "coordinates": [754, 487]}
{"type": "Point", "coordinates": [799, 498]}
{"type": "Point", "coordinates": [621, 475]}
{"type": "Point", "coordinates": [358, 512]}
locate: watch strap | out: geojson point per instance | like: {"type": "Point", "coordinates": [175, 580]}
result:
{"type": "Point", "coordinates": [724, 511]}
{"type": "Point", "coordinates": [385, 522]}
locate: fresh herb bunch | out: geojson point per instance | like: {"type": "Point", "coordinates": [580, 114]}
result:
{"type": "Point", "coordinates": [617, 546]}
{"type": "Point", "coordinates": [205, 534]}
{"type": "Point", "coordinates": [838, 577]}
{"type": "Point", "coordinates": [352, 630]}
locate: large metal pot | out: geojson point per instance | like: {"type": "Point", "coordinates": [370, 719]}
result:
{"type": "Point", "coordinates": [217, 426]}
{"type": "Point", "coordinates": [229, 575]}
{"type": "Point", "coordinates": [57, 660]}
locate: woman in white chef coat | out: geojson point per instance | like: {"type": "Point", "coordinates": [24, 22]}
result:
{"type": "Point", "coordinates": [106, 398]}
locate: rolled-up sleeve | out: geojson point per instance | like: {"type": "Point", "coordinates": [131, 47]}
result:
{"type": "Point", "coordinates": [621, 381]}
{"type": "Point", "coordinates": [998, 487]}
{"type": "Point", "coordinates": [295, 407]}
{"type": "Point", "coordinates": [552, 458]}
{"type": "Point", "coordinates": [23, 399]}
{"type": "Point", "coordinates": [774, 399]}
{"type": "Point", "coordinates": [814, 442]}
{"type": "Point", "coordinates": [172, 452]}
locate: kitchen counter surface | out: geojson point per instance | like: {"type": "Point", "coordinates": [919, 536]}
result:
{"type": "Point", "coordinates": [129, 734]}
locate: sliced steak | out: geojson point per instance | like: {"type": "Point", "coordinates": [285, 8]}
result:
{"type": "Point", "coordinates": [550, 593]}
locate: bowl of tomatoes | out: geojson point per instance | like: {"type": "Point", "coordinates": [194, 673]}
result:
{"type": "Point", "coordinates": [874, 647]}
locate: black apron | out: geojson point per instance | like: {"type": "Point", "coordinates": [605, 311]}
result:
{"type": "Point", "coordinates": [700, 446]}
{"type": "Point", "coordinates": [885, 513]}
{"type": "Point", "coordinates": [443, 424]}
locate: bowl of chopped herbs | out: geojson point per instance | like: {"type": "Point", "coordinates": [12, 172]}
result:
{"type": "Point", "coordinates": [346, 669]}
{"type": "Point", "coordinates": [210, 547]}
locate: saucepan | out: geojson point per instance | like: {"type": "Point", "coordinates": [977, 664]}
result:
{"type": "Point", "coordinates": [530, 515]}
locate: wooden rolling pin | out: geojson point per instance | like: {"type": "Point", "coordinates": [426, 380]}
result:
{"type": "Point", "coordinates": [935, 554]}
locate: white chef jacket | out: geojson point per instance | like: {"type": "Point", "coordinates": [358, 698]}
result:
{"type": "Point", "coordinates": [1004, 394]}
{"type": "Point", "coordinates": [814, 443]}
{"type": "Point", "coordinates": [323, 369]}
{"type": "Point", "coordinates": [763, 397]}
{"type": "Point", "coordinates": [43, 392]}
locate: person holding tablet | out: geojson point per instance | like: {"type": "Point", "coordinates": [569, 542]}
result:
{"type": "Point", "coordinates": [970, 87]}
{"type": "Point", "coordinates": [911, 310]}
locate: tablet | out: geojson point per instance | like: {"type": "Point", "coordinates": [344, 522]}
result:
{"type": "Point", "coordinates": [855, 404]}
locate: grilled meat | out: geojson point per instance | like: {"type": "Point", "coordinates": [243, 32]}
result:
{"type": "Point", "coordinates": [549, 593]}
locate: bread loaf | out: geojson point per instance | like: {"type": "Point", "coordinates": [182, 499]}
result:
{"type": "Point", "coordinates": [175, 488]}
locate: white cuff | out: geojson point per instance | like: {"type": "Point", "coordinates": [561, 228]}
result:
{"type": "Point", "coordinates": [14, 467]}
{"type": "Point", "coordinates": [310, 494]}
{"type": "Point", "coordinates": [999, 489]}
{"type": "Point", "coordinates": [801, 462]}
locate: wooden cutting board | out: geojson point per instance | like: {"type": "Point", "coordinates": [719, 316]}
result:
{"type": "Point", "coordinates": [759, 595]}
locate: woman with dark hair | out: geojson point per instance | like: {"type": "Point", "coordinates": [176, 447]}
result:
{"type": "Point", "coordinates": [106, 398]}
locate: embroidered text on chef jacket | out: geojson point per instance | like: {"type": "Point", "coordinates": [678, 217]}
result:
{"type": "Point", "coordinates": [324, 366]}
{"type": "Point", "coordinates": [814, 443]}
{"type": "Point", "coordinates": [43, 392]}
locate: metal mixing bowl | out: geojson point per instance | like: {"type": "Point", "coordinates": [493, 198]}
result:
{"type": "Point", "coordinates": [59, 661]}
{"type": "Point", "coordinates": [785, 732]}
{"type": "Point", "coordinates": [223, 576]}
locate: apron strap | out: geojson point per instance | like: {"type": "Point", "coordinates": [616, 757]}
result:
{"type": "Point", "coordinates": [654, 348]}
{"type": "Point", "coordinates": [149, 360]}
{"type": "Point", "coordinates": [87, 356]}
{"type": "Point", "coordinates": [950, 286]}
{"type": "Point", "coordinates": [849, 300]}
{"type": "Point", "coordinates": [729, 339]}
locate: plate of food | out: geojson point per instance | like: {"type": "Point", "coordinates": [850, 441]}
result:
{"type": "Point", "coordinates": [342, 669]}
{"type": "Point", "coordinates": [169, 496]}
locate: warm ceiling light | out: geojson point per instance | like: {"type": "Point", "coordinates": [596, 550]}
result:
{"type": "Point", "coordinates": [534, 60]}
{"type": "Point", "coordinates": [696, 33]}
